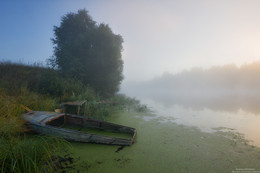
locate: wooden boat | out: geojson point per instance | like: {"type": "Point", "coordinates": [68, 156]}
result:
{"type": "Point", "coordinates": [50, 123]}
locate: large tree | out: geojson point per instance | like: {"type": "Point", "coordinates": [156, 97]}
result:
{"type": "Point", "coordinates": [89, 52]}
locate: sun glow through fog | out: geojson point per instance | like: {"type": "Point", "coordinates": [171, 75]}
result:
{"type": "Point", "coordinates": [176, 35]}
{"type": "Point", "coordinates": [159, 36]}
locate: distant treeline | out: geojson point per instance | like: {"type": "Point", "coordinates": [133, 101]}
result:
{"type": "Point", "coordinates": [217, 78]}
{"type": "Point", "coordinates": [228, 88]}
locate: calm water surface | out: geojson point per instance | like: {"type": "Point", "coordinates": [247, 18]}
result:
{"type": "Point", "coordinates": [234, 113]}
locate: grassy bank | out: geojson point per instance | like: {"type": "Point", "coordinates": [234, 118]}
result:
{"type": "Point", "coordinates": [43, 89]}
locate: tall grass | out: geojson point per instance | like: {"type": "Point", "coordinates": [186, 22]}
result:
{"type": "Point", "coordinates": [98, 110]}
{"type": "Point", "coordinates": [101, 109]}
{"type": "Point", "coordinates": [30, 154]}
{"type": "Point", "coordinates": [19, 153]}
{"type": "Point", "coordinates": [11, 111]}
{"type": "Point", "coordinates": [83, 93]}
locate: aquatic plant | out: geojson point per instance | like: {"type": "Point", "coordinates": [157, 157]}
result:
{"type": "Point", "coordinates": [128, 103]}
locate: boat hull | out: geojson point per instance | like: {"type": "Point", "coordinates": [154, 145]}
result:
{"type": "Point", "coordinates": [45, 125]}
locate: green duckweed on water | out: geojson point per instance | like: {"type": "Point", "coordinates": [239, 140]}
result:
{"type": "Point", "coordinates": [168, 147]}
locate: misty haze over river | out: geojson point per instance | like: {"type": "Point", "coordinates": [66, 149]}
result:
{"type": "Point", "coordinates": [224, 98]}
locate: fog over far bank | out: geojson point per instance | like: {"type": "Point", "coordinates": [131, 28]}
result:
{"type": "Point", "coordinates": [219, 88]}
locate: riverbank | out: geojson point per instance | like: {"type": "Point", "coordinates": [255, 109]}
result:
{"type": "Point", "coordinates": [163, 146]}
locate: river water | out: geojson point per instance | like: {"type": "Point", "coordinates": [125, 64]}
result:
{"type": "Point", "coordinates": [208, 114]}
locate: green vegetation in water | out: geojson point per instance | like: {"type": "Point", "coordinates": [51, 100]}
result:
{"type": "Point", "coordinates": [168, 147]}
{"type": "Point", "coordinates": [129, 104]}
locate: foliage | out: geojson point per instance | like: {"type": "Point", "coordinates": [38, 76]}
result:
{"type": "Point", "coordinates": [50, 83]}
{"type": "Point", "coordinates": [86, 51]}
{"type": "Point", "coordinates": [36, 78]}
{"type": "Point", "coordinates": [13, 76]}
{"type": "Point", "coordinates": [42, 80]}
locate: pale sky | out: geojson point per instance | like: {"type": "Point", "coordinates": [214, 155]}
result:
{"type": "Point", "coordinates": [159, 36]}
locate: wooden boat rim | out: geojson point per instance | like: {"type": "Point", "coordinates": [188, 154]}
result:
{"type": "Point", "coordinates": [41, 118]}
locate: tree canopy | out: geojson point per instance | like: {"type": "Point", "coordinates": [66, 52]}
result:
{"type": "Point", "coordinates": [89, 52]}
